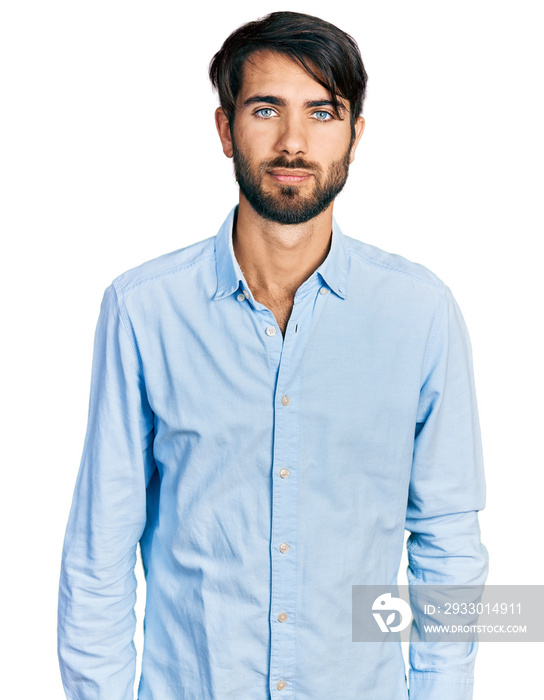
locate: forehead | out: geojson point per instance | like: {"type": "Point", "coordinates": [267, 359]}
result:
{"type": "Point", "coordinates": [278, 74]}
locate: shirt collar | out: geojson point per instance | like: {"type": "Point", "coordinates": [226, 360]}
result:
{"type": "Point", "coordinates": [333, 270]}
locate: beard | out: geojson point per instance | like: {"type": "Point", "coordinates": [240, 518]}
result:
{"type": "Point", "coordinates": [288, 205]}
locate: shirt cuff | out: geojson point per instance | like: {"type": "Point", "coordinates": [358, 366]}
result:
{"type": "Point", "coordinates": [439, 686]}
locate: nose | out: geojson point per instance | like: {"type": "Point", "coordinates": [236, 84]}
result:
{"type": "Point", "coordinates": [292, 138]}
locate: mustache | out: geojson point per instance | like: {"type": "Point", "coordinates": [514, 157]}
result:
{"type": "Point", "coordinates": [295, 164]}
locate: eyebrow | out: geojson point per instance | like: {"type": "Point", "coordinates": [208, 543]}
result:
{"type": "Point", "coordinates": [280, 102]}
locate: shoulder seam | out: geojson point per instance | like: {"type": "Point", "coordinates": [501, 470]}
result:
{"type": "Point", "coordinates": [433, 335]}
{"type": "Point", "coordinates": [171, 271]}
{"type": "Point", "coordinates": [125, 320]}
{"type": "Point", "coordinates": [439, 285]}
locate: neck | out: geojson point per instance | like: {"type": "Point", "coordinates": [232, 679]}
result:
{"type": "Point", "coordinates": [276, 259]}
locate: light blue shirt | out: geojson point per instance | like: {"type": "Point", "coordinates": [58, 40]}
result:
{"type": "Point", "coordinates": [264, 476]}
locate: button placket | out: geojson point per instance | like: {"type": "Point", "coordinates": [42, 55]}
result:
{"type": "Point", "coordinates": [284, 506]}
{"type": "Point", "coordinates": [286, 446]}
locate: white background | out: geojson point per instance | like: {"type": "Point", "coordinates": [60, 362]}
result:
{"type": "Point", "coordinates": [109, 157]}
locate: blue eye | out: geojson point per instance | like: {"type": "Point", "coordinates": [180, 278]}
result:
{"type": "Point", "coordinates": [265, 109]}
{"type": "Point", "coordinates": [322, 116]}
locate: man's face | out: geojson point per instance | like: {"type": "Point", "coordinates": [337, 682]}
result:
{"type": "Point", "coordinates": [291, 151]}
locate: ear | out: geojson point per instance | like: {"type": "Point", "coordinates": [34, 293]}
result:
{"type": "Point", "coordinates": [223, 129]}
{"type": "Point", "coordinates": [359, 128]}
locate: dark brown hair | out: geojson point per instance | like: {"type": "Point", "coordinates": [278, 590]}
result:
{"type": "Point", "coordinates": [312, 42]}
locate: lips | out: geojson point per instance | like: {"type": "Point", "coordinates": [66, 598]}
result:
{"type": "Point", "coordinates": [289, 174]}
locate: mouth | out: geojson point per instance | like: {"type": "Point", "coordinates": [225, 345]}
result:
{"type": "Point", "coordinates": [289, 176]}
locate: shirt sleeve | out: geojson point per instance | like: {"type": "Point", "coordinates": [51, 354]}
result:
{"type": "Point", "coordinates": [447, 489]}
{"type": "Point", "coordinates": [97, 591]}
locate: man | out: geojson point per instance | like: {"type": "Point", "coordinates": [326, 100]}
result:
{"type": "Point", "coordinates": [270, 409]}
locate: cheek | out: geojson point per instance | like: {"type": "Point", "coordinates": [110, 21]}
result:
{"type": "Point", "coordinates": [253, 134]}
{"type": "Point", "coordinates": [252, 146]}
{"type": "Point", "coordinates": [329, 147]}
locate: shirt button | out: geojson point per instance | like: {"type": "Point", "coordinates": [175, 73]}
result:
{"type": "Point", "coordinates": [284, 473]}
{"type": "Point", "coordinates": [246, 293]}
{"type": "Point", "coordinates": [323, 290]}
{"type": "Point", "coordinates": [280, 685]}
{"type": "Point", "coordinates": [282, 617]}
{"type": "Point", "coordinates": [240, 297]}
{"type": "Point", "coordinates": [284, 547]}
{"type": "Point", "coordinates": [285, 400]}
{"type": "Point", "coordinates": [270, 330]}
